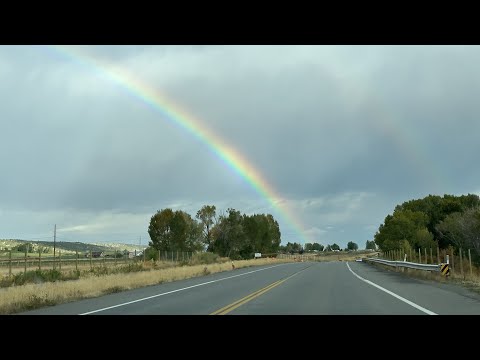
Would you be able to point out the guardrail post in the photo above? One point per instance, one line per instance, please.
(419, 256)
(431, 256)
(426, 257)
(410, 258)
(447, 260)
(470, 261)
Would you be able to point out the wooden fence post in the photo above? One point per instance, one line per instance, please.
(461, 263)
(470, 261)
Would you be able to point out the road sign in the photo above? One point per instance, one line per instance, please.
(444, 269)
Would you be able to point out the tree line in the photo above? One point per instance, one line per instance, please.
(230, 234)
(292, 248)
(449, 222)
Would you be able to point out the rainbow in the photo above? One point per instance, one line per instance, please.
(151, 97)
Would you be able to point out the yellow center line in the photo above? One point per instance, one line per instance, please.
(226, 309)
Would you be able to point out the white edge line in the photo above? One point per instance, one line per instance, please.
(393, 294)
(173, 291)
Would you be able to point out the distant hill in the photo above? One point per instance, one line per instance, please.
(66, 246)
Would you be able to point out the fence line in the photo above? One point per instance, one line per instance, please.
(90, 259)
(457, 257)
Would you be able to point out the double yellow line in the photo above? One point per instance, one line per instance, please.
(225, 310)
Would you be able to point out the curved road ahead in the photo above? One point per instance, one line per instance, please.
(320, 288)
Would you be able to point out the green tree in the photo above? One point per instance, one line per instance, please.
(370, 245)
(403, 224)
(317, 247)
(174, 231)
(207, 216)
(228, 234)
(437, 208)
(424, 239)
(462, 229)
(291, 248)
(335, 247)
(160, 230)
(352, 246)
(26, 247)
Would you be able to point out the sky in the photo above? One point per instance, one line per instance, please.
(327, 139)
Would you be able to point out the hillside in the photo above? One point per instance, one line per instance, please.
(65, 246)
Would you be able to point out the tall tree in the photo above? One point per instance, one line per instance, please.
(370, 245)
(174, 231)
(207, 216)
(462, 229)
(228, 234)
(352, 246)
(160, 229)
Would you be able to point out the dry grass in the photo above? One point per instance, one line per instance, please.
(20, 298)
(467, 280)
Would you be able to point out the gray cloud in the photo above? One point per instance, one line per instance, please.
(322, 124)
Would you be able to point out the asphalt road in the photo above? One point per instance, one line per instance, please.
(321, 288)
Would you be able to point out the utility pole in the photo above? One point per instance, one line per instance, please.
(54, 239)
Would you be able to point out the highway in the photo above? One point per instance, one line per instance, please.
(302, 288)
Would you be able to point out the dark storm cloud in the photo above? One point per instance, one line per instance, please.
(317, 122)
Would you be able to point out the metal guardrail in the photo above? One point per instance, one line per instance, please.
(426, 267)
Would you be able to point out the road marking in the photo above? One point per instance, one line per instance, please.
(226, 309)
(393, 294)
(173, 291)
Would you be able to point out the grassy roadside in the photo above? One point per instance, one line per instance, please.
(32, 296)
